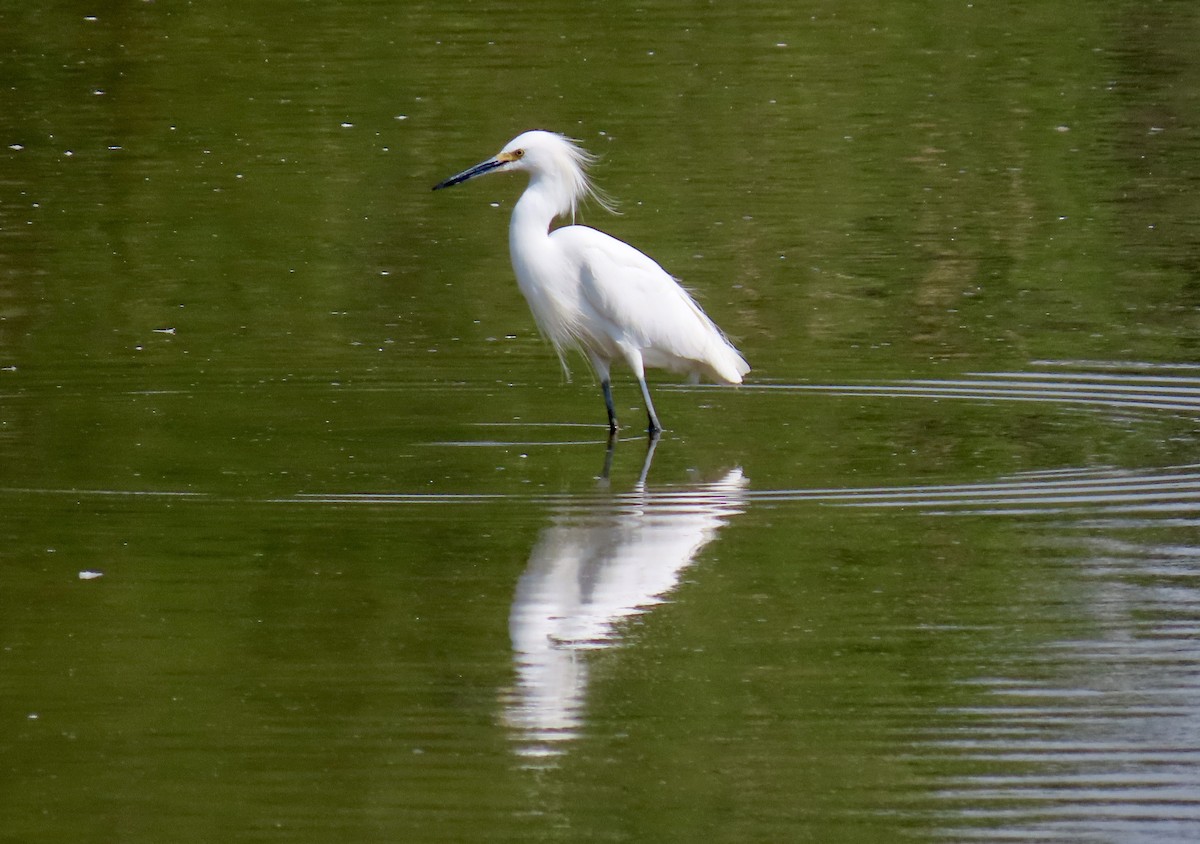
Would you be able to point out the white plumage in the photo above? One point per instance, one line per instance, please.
(591, 292)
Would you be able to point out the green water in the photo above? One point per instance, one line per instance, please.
(367, 570)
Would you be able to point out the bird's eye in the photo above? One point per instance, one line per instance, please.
(517, 153)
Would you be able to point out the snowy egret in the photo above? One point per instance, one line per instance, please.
(591, 292)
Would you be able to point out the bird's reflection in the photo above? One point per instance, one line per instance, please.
(600, 561)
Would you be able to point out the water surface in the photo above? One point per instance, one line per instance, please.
(305, 536)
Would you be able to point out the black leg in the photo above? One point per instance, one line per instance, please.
(654, 428)
(606, 386)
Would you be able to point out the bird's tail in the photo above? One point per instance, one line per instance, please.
(726, 363)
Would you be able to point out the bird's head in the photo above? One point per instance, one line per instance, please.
(554, 160)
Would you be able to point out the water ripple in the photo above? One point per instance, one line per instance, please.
(1142, 392)
(1167, 489)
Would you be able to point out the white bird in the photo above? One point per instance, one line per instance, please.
(591, 292)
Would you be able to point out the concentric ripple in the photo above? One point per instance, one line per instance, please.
(1174, 489)
(1141, 389)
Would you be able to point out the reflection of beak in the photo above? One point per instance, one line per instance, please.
(477, 170)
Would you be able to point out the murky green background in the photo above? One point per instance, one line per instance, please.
(933, 573)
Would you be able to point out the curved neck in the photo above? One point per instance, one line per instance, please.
(545, 198)
(532, 216)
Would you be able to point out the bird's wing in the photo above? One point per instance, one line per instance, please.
(636, 296)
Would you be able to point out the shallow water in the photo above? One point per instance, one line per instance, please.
(304, 535)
